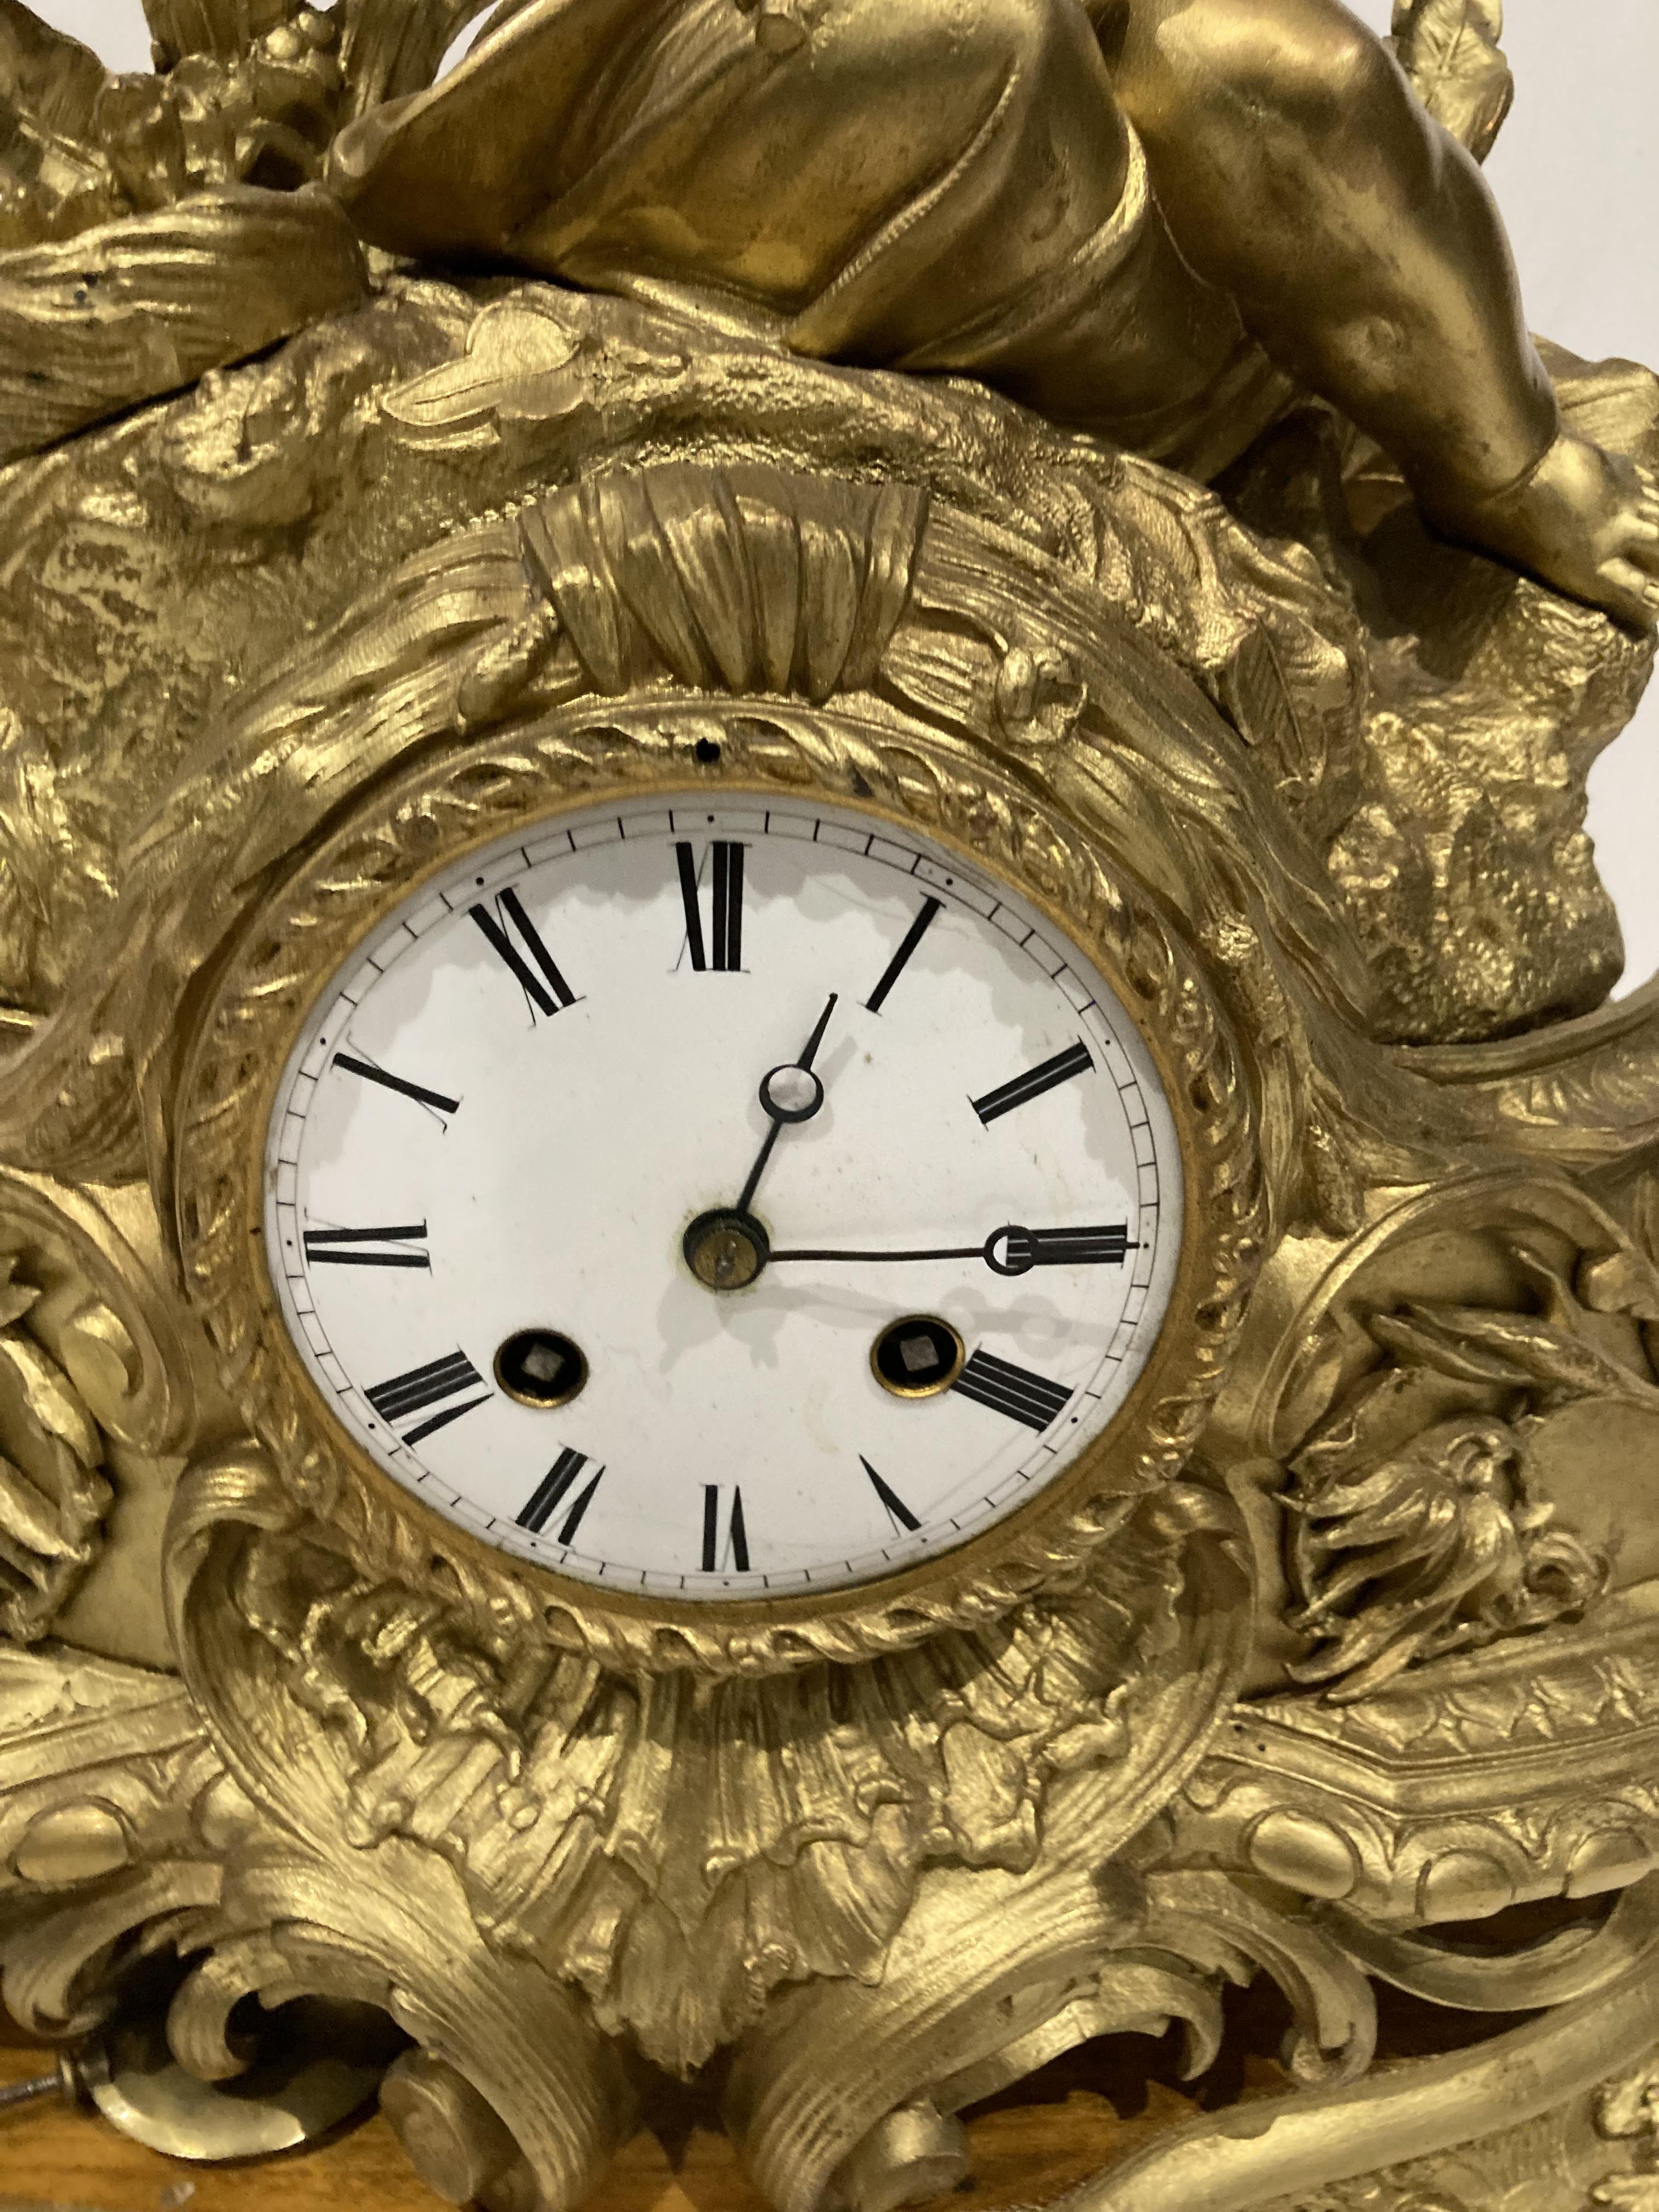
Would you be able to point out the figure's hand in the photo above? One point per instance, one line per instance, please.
(1022, 1249)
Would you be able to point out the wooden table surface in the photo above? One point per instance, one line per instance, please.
(1028, 2146)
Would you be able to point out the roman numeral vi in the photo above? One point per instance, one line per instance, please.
(735, 1543)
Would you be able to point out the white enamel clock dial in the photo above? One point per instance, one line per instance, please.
(723, 1200)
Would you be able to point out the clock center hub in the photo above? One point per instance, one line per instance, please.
(725, 1250)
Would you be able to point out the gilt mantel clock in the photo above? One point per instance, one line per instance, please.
(827, 1265)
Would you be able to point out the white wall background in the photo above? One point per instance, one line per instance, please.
(1577, 172)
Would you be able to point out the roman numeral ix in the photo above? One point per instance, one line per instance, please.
(736, 1540)
(1074, 1060)
(722, 949)
(1015, 1391)
(551, 1491)
(368, 1247)
(395, 1400)
(542, 983)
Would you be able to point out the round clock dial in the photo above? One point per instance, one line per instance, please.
(722, 1201)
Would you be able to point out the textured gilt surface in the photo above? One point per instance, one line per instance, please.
(1305, 1733)
(459, 1799)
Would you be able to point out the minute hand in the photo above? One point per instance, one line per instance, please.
(1012, 1250)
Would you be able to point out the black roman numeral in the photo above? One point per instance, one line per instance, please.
(417, 1092)
(722, 949)
(546, 990)
(736, 1536)
(1015, 1391)
(1074, 1060)
(895, 966)
(550, 1493)
(897, 1511)
(404, 1395)
(1105, 1247)
(368, 1247)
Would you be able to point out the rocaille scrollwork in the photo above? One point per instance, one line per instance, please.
(1341, 1639)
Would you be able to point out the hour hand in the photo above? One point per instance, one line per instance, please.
(1012, 1250)
(791, 1093)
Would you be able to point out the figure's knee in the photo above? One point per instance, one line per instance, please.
(1306, 66)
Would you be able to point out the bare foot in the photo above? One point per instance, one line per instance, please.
(1585, 520)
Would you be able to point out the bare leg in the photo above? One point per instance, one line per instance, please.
(1299, 172)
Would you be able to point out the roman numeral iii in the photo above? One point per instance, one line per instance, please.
(1107, 1246)
(534, 968)
(369, 1247)
(550, 1491)
(732, 1543)
(450, 1377)
(722, 947)
(1022, 1089)
(1030, 1399)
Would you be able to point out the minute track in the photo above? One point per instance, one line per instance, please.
(560, 1201)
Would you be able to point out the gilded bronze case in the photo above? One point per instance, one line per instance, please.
(411, 827)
